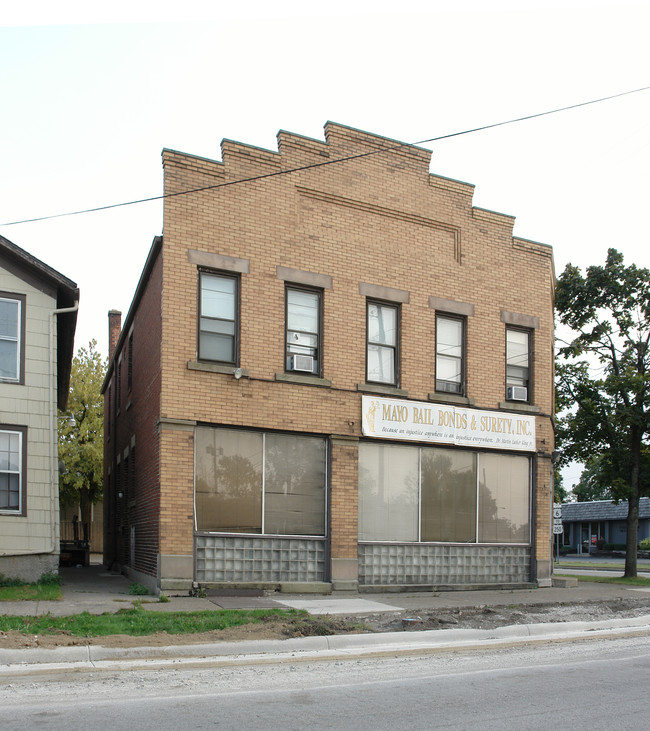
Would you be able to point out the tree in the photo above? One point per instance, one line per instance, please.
(594, 483)
(560, 493)
(81, 433)
(603, 380)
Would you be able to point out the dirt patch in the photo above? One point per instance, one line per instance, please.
(489, 617)
(275, 628)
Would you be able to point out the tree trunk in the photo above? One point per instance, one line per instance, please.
(633, 506)
(632, 534)
(85, 509)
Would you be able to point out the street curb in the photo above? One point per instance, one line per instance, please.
(96, 656)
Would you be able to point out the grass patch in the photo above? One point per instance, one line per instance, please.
(139, 622)
(599, 565)
(629, 581)
(47, 588)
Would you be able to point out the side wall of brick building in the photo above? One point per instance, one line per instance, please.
(131, 427)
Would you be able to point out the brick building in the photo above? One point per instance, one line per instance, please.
(335, 371)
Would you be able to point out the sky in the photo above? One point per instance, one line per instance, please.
(91, 95)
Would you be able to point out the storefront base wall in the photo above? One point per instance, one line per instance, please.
(544, 574)
(255, 559)
(394, 564)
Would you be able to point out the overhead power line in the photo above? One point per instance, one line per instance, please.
(397, 146)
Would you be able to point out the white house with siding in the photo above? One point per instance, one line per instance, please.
(38, 316)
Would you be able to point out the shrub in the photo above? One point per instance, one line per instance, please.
(138, 590)
(8, 581)
(644, 545)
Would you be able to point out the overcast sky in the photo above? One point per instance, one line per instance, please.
(91, 96)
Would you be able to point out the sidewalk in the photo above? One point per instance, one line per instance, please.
(95, 590)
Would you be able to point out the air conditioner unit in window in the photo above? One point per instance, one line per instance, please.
(303, 363)
(517, 393)
(448, 386)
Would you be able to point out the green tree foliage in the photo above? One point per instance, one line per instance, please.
(560, 493)
(594, 483)
(603, 381)
(81, 433)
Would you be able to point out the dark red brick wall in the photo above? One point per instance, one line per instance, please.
(132, 450)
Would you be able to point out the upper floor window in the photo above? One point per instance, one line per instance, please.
(11, 471)
(382, 345)
(218, 317)
(303, 336)
(450, 357)
(11, 333)
(517, 364)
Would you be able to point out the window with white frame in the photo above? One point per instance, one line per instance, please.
(383, 342)
(303, 325)
(11, 316)
(12, 470)
(218, 317)
(517, 364)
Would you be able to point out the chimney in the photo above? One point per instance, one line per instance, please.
(114, 330)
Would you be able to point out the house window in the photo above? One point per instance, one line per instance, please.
(517, 364)
(218, 326)
(383, 338)
(11, 337)
(253, 482)
(436, 494)
(450, 362)
(12, 471)
(303, 323)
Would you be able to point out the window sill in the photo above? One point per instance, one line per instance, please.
(382, 390)
(304, 379)
(515, 406)
(451, 398)
(228, 370)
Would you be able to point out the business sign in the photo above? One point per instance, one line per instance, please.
(443, 424)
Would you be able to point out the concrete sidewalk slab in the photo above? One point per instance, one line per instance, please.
(339, 606)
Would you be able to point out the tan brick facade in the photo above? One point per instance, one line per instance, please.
(376, 222)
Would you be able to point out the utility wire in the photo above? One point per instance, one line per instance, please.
(397, 146)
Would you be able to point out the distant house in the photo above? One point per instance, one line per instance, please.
(585, 523)
(38, 316)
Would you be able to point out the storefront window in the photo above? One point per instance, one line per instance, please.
(448, 495)
(441, 495)
(250, 482)
(504, 499)
(228, 480)
(388, 492)
(294, 485)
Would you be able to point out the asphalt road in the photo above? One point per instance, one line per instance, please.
(598, 684)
